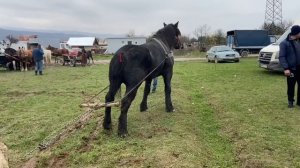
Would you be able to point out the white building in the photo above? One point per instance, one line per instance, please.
(113, 44)
(78, 42)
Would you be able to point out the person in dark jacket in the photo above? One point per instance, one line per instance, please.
(154, 84)
(38, 57)
(289, 57)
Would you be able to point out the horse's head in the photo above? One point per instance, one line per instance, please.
(175, 35)
(50, 48)
(171, 35)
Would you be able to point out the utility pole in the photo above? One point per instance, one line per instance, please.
(273, 15)
(273, 11)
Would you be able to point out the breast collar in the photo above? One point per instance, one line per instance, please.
(166, 49)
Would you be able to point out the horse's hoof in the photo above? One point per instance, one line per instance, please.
(170, 110)
(122, 135)
(143, 107)
(107, 126)
(107, 132)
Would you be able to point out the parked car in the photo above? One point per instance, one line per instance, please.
(222, 53)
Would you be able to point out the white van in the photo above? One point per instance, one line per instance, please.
(268, 56)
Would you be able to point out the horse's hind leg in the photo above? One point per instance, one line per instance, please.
(26, 69)
(125, 104)
(23, 66)
(92, 60)
(110, 96)
(14, 65)
(144, 106)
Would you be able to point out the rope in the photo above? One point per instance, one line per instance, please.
(97, 94)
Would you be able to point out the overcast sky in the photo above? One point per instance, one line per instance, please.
(142, 16)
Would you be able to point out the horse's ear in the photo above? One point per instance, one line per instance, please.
(176, 24)
(165, 24)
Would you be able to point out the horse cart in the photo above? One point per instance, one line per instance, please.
(73, 57)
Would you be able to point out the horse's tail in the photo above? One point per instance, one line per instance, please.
(117, 65)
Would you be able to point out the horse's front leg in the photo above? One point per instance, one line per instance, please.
(167, 80)
(25, 66)
(144, 106)
(22, 68)
(14, 65)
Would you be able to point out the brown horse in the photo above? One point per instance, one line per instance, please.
(25, 59)
(56, 52)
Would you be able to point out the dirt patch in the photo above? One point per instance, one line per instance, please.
(155, 131)
(60, 160)
(88, 141)
(131, 162)
(32, 163)
(35, 93)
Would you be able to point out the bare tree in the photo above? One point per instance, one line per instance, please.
(219, 37)
(131, 33)
(185, 40)
(277, 28)
(201, 34)
(12, 39)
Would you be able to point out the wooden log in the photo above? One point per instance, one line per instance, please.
(97, 106)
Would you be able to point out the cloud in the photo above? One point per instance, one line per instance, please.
(144, 17)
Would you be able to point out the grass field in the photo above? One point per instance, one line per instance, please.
(227, 115)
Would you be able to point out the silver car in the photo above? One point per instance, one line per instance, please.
(222, 53)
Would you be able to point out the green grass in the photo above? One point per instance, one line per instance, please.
(227, 115)
(102, 57)
(189, 54)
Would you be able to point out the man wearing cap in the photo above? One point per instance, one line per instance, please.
(289, 57)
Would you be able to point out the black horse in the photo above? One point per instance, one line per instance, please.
(12, 60)
(89, 56)
(133, 64)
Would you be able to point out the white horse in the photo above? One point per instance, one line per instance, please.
(47, 56)
(2, 51)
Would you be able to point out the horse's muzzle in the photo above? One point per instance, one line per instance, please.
(178, 43)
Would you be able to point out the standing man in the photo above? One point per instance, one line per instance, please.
(154, 84)
(289, 57)
(38, 56)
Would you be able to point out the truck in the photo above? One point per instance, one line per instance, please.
(248, 41)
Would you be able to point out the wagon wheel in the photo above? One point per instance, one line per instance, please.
(73, 62)
(244, 53)
(61, 61)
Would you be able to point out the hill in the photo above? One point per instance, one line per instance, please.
(49, 37)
